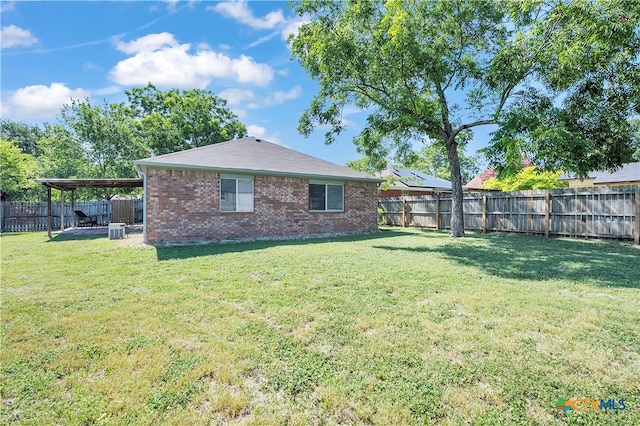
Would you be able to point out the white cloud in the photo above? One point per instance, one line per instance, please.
(148, 43)
(236, 96)
(277, 98)
(13, 36)
(40, 101)
(240, 11)
(161, 60)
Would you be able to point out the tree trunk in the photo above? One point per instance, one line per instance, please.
(457, 218)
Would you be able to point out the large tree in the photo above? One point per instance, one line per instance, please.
(25, 136)
(181, 119)
(17, 171)
(559, 77)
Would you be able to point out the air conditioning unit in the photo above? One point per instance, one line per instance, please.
(117, 231)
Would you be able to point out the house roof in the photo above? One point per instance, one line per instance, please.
(414, 179)
(630, 172)
(255, 156)
(477, 182)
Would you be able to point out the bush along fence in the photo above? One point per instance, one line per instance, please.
(32, 216)
(599, 212)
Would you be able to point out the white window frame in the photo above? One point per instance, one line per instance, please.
(236, 178)
(326, 191)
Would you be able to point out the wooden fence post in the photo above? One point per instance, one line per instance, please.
(484, 213)
(636, 237)
(547, 214)
(404, 213)
(438, 212)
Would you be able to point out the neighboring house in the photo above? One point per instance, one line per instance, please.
(477, 183)
(629, 174)
(251, 188)
(407, 182)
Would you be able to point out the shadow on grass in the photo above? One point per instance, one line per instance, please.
(535, 258)
(169, 252)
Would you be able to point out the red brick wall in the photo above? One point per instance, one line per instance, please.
(185, 205)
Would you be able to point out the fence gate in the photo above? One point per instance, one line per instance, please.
(122, 211)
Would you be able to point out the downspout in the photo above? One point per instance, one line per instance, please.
(144, 201)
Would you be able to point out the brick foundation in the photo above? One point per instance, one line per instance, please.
(185, 206)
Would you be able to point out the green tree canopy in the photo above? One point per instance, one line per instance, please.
(17, 171)
(559, 78)
(181, 119)
(25, 136)
(105, 133)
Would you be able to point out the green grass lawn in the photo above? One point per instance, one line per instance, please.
(395, 327)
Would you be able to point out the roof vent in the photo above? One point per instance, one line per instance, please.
(258, 140)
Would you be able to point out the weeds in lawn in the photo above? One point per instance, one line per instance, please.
(397, 327)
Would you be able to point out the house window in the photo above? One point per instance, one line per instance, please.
(236, 194)
(326, 197)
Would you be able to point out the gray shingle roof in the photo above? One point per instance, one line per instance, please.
(252, 155)
(630, 172)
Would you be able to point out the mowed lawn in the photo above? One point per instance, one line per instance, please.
(396, 327)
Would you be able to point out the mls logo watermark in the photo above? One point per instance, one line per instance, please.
(588, 404)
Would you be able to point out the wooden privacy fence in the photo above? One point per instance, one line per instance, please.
(30, 216)
(603, 212)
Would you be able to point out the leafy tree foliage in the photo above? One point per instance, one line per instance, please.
(181, 119)
(17, 171)
(63, 154)
(105, 133)
(559, 78)
(25, 136)
(527, 178)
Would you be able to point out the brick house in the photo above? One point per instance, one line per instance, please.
(251, 188)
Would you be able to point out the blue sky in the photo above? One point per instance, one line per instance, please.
(55, 51)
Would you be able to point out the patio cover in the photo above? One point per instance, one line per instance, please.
(73, 184)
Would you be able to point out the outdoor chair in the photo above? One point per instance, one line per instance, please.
(84, 220)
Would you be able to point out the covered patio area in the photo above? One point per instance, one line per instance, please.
(71, 185)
